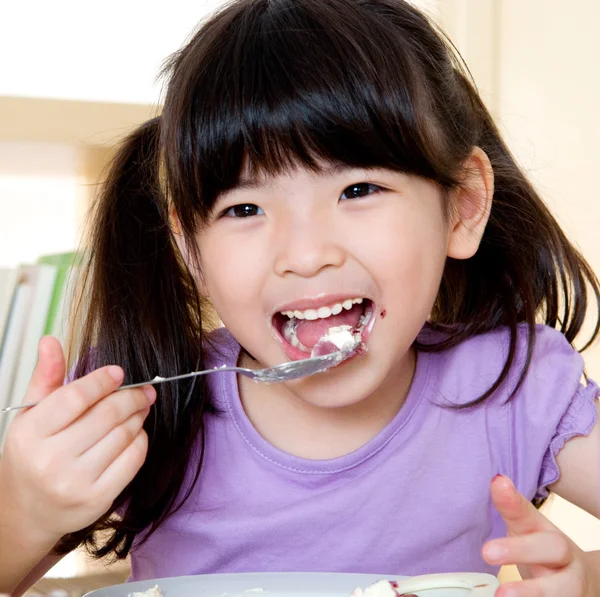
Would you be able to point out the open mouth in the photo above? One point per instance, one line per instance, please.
(300, 331)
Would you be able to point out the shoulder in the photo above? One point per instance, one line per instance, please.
(220, 348)
(468, 370)
(528, 419)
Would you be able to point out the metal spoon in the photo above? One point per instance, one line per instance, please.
(278, 373)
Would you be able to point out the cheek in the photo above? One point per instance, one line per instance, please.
(410, 243)
(229, 274)
(408, 257)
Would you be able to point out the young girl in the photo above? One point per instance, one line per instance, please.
(317, 163)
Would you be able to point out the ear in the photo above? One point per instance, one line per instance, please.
(471, 206)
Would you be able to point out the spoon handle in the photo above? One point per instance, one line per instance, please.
(152, 382)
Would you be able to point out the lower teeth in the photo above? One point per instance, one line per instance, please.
(289, 333)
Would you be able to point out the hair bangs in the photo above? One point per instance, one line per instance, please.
(283, 84)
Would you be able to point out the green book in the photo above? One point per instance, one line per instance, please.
(64, 262)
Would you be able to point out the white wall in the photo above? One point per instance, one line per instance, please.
(104, 51)
(40, 207)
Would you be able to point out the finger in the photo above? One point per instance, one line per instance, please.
(520, 515)
(105, 416)
(549, 548)
(49, 372)
(69, 402)
(124, 468)
(101, 456)
(560, 584)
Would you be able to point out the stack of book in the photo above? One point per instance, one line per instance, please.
(34, 302)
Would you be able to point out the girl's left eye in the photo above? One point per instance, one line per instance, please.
(361, 189)
(244, 210)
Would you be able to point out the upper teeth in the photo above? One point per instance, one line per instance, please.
(323, 312)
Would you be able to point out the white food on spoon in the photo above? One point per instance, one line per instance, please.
(340, 336)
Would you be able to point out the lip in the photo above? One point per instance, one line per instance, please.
(293, 353)
(317, 302)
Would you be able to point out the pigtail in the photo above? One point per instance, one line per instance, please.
(140, 309)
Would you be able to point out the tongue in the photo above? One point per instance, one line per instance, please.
(310, 332)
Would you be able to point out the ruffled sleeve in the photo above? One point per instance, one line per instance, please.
(554, 404)
(578, 420)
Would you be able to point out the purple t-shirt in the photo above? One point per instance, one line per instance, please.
(413, 500)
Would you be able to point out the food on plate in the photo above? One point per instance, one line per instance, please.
(153, 592)
(382, 588)
(475, 584)
(480, 585)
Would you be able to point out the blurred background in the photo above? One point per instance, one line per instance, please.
(76, 76)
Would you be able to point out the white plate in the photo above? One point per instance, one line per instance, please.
(294, 584)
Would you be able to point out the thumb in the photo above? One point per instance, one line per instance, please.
(49, 372)
(520, 515)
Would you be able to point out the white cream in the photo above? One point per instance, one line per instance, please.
(153, 592)
(341, 336)
(382, 588)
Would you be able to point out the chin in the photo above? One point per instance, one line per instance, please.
(332, 401)
(346, 385)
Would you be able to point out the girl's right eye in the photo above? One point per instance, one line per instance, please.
(359, 190)
(244, 210)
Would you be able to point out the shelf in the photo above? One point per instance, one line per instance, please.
(66, 121)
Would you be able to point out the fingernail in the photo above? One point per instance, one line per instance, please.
(116, 373)
(150, 394)
(42, 345)
(494, 553)
(506, 482)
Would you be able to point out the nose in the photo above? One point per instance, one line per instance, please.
(306, 246)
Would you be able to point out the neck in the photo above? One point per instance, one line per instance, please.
(302, 429)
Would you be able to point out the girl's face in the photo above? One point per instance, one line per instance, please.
(278, 252)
